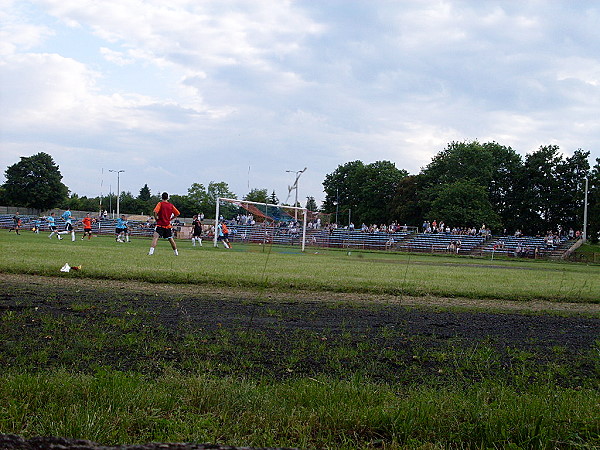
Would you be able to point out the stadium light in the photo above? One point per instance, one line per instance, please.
(295, 186)
(585, 208)
(118, 172)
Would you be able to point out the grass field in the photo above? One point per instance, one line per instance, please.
(316, 269)
(261, 346)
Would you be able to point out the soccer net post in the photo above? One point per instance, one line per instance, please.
(266, 211)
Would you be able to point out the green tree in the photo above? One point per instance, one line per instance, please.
(199, 198)
(220, 189)
(461, 161)
(593, 229)
(463, 203)
(343, 186)
(77, 203)
(182, 202)
(539, 190)
(273, 199)
(368, 190)
(380, 184)
(257, 195)
(495, 168)
(35, 182)
(406, 204)
(144, 193)
(311, 204)
(503, 188)
(569, 198)
(128, 204)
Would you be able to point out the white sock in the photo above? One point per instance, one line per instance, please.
(176, 252)
(151, 252)
(200, 241)
(73, 236)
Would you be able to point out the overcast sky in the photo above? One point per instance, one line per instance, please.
(183, 91)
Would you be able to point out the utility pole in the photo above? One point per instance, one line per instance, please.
(585, 208)
(118, 172)
(295, 186)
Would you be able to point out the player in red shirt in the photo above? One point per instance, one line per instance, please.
(164, 212)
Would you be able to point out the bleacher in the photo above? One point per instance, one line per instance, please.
(526, 246)
(441, 243)
(337, 238)
(509, 246)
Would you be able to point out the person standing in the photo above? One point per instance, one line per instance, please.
(196, 231)
(16, 223)
(164, 212)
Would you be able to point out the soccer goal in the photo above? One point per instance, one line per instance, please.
(274, 223)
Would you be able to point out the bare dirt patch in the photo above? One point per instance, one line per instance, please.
(278, 335)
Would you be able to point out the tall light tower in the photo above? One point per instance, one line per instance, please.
(295, 186)
(118, 172)
(585, 208)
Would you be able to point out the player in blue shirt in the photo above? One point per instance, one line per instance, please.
(52, 226)
(121, 230)
(68, 218)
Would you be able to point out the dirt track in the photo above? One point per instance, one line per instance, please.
(282, 319)
(408, 326)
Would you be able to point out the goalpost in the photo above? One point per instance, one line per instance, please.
(267, 211)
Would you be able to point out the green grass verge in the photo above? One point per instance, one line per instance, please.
(113, 407)
(317, 269)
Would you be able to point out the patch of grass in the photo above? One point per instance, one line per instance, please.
(115, 407)
(395, 274)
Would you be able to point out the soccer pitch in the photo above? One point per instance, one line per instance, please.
(267, 346)
(287, 269)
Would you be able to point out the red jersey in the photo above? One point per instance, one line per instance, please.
(164, 212)
(87, 222)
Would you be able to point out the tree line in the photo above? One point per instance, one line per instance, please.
(467, 184)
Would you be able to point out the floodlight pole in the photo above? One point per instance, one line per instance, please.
(295, 186)
(585, 208)
(337, 204)
(118, 172)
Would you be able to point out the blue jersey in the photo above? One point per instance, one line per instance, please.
(67, 217)
(50, 220)
(121, 223)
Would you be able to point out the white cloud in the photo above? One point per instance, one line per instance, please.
(188, 91)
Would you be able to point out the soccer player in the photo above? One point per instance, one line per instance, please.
(121, 230)
(16, 223)
(164, 212)
(52, 226)
(87, 227)
(68, 218)
(196, 231)
(225, 230)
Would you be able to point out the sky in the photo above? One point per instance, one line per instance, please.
(251, 92)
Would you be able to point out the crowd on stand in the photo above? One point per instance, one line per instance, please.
(441, 227)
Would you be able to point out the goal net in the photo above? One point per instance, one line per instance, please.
(262, 222)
